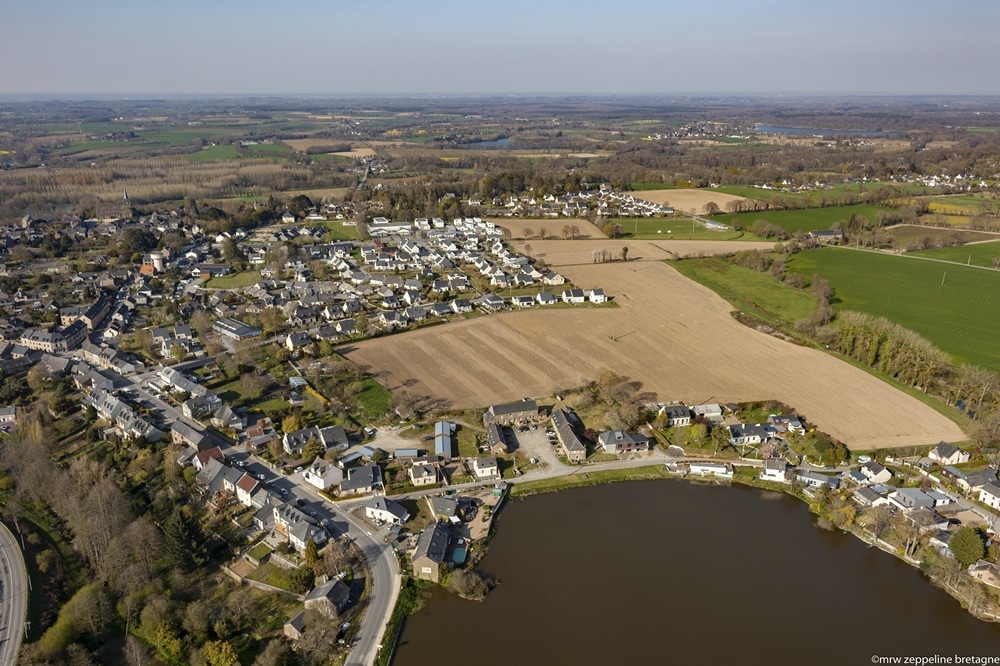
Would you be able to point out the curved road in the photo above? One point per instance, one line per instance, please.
(13, 597)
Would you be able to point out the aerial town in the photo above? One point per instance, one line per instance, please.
(275, 424)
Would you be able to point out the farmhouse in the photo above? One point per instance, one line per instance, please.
(572, 446)
(513, 412)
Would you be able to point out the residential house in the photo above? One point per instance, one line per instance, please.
(911, 498)
(445, 508)
(990, 495)
(866, 496)
(362, 480)
(485, 469)
(573, 296)
(386, 511)
(328, 598)
(332, 437)
(295, 628)
(495, 439)
(423, 473)
(786, 423)
(597, 296)
(323, 475)
(776, 470)
(676, 415)
(717, 470)
(546, 298)
(948, 454)
(875, 473)
(429, 554)
(202, 457)
(573, 447)
(817, 480)
(619, 441)
(711, 411)
(188, 435)
(744, 434)
(985, 572)
(525, 411)
(245, 488)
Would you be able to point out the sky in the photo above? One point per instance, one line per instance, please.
(331, 47)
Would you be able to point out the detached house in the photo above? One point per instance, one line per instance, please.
(875, 473)
(948, 454)
(323, 475)
(386, 511)
(423, 473)
(429, 554)
(619, 441)
(990, 495)
(362, 480)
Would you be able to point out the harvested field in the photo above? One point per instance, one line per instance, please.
(690, 201)
(568, 252)
(673, 335)
(519, 228)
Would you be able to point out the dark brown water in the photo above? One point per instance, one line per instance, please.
(671, 572)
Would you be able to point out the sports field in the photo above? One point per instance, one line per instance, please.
(673, 335)
(955, 307)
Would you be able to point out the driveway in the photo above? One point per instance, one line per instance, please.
(536, 444)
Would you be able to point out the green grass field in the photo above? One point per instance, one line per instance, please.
(665, 229)
(234, 281)
(809, 219)
(980, 254)
(225, 151)
(907, 233)
(374, 399)
(752, 292)
(961, 316)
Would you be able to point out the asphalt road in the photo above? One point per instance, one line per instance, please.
(13, 597)
(383, 568)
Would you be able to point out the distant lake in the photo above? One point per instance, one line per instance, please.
(775, 129)
(495, 144)
(668, 571)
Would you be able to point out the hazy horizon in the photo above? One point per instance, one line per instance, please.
(756, 48)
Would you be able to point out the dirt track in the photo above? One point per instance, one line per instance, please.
(673, 335)
(564, 252)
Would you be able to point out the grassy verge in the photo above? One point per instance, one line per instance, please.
(750, 291)
(580, 479)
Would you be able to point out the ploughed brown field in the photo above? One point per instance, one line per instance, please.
(519, 228)
(568, 252)
(675, 336)
(689, 201)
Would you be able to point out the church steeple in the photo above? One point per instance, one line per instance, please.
(125, 196)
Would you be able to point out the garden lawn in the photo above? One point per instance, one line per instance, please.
(953, 306)
(234, 281)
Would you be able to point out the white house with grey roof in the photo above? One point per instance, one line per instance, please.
(990, 495)
(385, 510)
